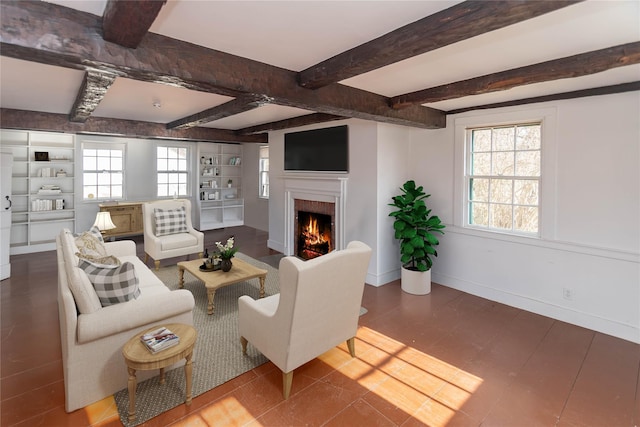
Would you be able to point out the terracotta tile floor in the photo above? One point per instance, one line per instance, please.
(447, 359)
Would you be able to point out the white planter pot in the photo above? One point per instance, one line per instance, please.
(415, 282)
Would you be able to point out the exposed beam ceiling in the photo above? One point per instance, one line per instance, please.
(119, 44)
(239, 105)
(605, 90)
(42, 32)
(15, 119)
(94, 87)
(126, 22)
(308, 119)
(459, 22)
(571, 66)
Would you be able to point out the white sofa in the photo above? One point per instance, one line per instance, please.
(92, 336)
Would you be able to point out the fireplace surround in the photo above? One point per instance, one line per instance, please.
(319, 194)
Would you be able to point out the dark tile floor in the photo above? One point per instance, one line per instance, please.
(446, 359)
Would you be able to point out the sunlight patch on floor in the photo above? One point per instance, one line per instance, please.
(102, 412)
(417, 383)
(225, 412)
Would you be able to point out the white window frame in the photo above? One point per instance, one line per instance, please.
(492, 176)
(547, 117)
(263, 172)
(103, 146)
(176, 168)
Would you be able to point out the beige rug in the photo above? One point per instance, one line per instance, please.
(218, 355)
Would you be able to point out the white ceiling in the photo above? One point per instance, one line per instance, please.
(298, 34)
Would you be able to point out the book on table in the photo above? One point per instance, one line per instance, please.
(159, 339)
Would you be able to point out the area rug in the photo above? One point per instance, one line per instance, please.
(217, 355)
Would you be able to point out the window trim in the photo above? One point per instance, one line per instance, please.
(260, 171)
(97, 145)
(547, 201)
(187, 169)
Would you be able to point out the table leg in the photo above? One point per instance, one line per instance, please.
(181, 273)
(132, 394)
(161, 375)
(210, 294)
(262, 286)
(188, 368)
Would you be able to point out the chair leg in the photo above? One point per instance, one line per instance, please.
(200, 255)
(243, 341)
(157, 263)
(351, 343)
(287, 379)
(146, 257)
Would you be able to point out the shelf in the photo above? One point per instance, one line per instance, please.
(34, 231)
(217, 213)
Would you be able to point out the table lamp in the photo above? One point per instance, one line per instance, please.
(103, 222)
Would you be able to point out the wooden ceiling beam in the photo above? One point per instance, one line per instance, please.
(604, 90)
(571, 66)
(307, 119)
(33, 120)
(55, 35)
(93, 89)
(126, 22)
(236, 106)
(459, 22)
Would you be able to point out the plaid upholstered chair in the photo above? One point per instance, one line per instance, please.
(168, 231)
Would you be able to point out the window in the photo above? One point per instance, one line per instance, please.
(503, 178)
(102, 171)
(263, 173)
(173, 176)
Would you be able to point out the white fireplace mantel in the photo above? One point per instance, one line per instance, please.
(316, 188)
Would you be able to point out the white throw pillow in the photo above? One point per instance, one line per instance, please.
(90, 244)
(170, 221)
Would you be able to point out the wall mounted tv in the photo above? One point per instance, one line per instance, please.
(317, 150)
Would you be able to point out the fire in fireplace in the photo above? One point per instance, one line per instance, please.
(313, 235)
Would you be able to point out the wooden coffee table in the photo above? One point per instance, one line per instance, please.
(138, 357)
(213, 280)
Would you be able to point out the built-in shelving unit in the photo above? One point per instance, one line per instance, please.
(220, 185)
(42, 187)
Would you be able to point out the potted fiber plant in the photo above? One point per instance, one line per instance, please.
(416, 229)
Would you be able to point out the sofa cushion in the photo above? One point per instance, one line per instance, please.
(178, 241)
(83, 292)
(170, 221)
(90, 245)
(113, 284)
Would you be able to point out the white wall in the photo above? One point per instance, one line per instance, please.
(591, 241)
(140, 169)
(256, 210)
(362, 207)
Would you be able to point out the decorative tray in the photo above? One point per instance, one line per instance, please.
(214, 268)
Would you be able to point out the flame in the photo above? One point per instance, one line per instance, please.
(312, 233)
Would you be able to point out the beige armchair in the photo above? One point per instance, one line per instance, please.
(317, 308)
(168, 230)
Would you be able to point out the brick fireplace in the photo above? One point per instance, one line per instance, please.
(318, 201)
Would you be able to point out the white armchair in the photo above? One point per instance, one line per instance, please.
(168, 230)
(317, 308)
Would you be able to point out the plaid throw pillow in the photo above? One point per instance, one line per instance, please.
(113, 284)
(170, 221)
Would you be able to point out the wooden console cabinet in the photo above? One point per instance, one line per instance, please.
(126, 216)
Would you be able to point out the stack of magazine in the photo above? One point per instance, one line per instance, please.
(159, 339)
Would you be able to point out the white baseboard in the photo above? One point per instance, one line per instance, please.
(606, 326)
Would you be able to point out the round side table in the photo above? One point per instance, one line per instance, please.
(138, 357)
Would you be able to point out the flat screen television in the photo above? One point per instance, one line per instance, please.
(317, 150)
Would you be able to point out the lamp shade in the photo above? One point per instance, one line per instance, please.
(103, 221)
